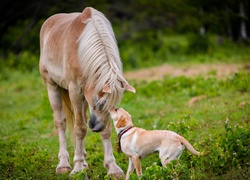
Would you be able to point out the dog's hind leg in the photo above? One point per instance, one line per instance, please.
(131, 168)
(164, 161)
(137, 164)
(169, 151)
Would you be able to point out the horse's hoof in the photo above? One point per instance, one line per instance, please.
(62, 170)
(116, 176)
(115, 172)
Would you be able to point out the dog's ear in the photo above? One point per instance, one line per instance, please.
(121, 122)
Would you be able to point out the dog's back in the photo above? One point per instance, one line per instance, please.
(150, 141)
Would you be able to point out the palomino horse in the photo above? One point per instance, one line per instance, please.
(80, 65)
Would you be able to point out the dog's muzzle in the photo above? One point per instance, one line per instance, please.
(95, 124)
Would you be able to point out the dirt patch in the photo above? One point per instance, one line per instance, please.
(159, 72)
(194, 100)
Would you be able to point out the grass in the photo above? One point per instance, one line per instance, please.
(28, 150)
(218, 123)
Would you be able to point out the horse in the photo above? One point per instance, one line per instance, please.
(81, 68)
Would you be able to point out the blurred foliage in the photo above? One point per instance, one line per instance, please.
(165, 48)
(140, 21)
(198, 43)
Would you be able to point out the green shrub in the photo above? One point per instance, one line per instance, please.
(229, 151)
(24, 61)
(174, 170)
(198, 43)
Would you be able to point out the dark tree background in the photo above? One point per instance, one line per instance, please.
(20, 20)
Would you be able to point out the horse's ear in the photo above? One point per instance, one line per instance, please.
(129, 88)
(106, 89)
(86, 14)
(121, 122)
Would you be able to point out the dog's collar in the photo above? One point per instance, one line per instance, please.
(120, 135)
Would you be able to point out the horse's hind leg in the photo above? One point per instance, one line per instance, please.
(54, 93)
(109, 159)
(80, 107)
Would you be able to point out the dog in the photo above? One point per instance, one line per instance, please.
(138, 143)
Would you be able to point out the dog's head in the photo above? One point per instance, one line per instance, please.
(121, 118)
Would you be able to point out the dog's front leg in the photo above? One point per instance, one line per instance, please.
(137, 164)
(131, 168)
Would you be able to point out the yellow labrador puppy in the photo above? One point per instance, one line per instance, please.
(138, 143)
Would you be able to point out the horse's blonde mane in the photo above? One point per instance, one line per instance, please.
(100, 58)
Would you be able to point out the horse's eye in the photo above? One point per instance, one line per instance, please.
(99, 106)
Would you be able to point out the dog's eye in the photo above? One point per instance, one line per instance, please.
(116, 109)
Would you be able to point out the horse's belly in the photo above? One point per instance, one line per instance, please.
(53, 72)
(56, 73)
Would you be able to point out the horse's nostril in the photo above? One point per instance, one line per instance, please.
(98, 127)
(95, 124)
(92, 121)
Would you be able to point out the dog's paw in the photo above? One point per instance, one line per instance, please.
(206, 153)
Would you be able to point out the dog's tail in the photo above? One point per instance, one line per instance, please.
(189, 146)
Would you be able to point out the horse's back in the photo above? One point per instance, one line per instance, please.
(54, 30)
(56, 24)
(58, 42)
(60, 27)
(59, 23)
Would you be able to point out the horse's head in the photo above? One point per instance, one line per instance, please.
(101, 102)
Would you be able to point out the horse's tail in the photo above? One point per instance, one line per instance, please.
(67, 109)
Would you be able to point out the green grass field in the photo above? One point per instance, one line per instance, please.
(28, 149)
(218, 123)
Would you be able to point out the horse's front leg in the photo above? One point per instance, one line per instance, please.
(109, 159)
(80, 107)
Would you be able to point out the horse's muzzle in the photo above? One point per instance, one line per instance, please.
(95, 124)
